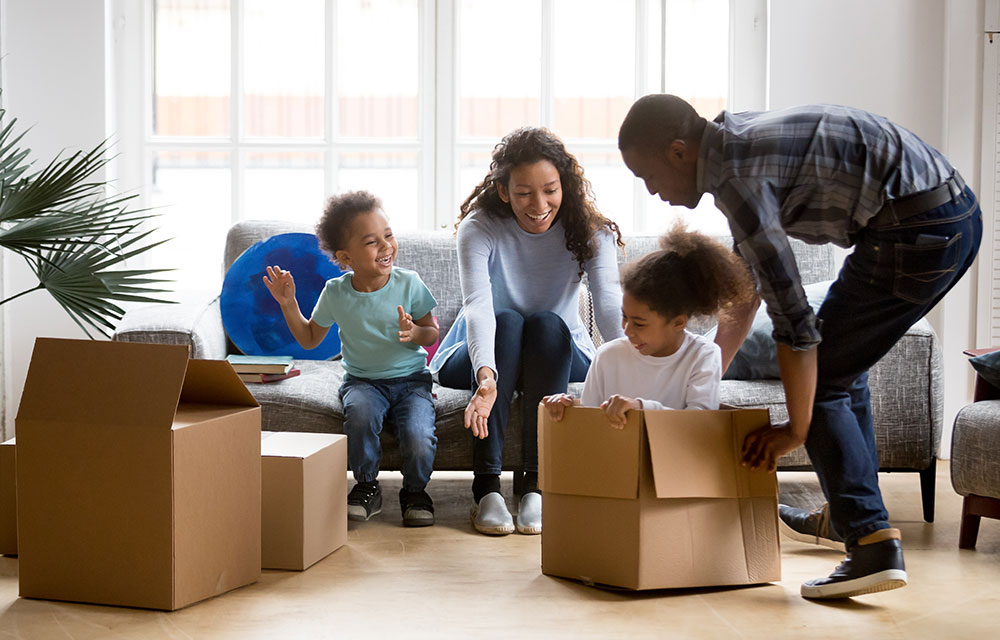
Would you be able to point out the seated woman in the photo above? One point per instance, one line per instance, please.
(526, 235)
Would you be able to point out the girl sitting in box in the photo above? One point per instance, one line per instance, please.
(659, 364)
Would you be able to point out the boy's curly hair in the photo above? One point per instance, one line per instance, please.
(579, 213)
(334, 228)
(691, 274)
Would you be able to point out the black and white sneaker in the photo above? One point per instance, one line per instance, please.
(417, 508)
(364, 501)
(812, 527)
(874, 564)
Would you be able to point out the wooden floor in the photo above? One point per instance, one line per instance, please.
(448, 581)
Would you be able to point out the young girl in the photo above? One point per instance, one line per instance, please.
(659, 364)
(386, 368)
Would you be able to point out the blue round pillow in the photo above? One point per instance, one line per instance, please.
(251, 316)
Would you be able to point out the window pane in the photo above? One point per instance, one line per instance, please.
(390, 175)
(191, 83)
(283, 68)
(283, 186)
(593, 85)
(499, 56)
(696, 64)
(192, 193)
(472, 168)
(378, 67)
(613, 186)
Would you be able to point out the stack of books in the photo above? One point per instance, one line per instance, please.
(259, 369)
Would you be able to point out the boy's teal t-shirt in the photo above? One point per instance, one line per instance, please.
(369, 323)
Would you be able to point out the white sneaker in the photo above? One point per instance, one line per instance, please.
(491, 516)
(529, 514)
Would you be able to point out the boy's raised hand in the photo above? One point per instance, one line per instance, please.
(556, 405)
(615, 408)
(281, 284)
(405, 325)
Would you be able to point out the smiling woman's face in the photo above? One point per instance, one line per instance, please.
(534, 193)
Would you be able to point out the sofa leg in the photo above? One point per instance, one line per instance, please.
(928, 482)
(973, 509)
(518, 482)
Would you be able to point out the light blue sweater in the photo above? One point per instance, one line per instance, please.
(502, 266)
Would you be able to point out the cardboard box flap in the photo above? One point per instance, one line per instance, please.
(117, 382)
(215, 382)
(681, 442)
(295, 445)
(583, 455)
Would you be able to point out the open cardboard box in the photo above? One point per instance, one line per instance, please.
(303, 499)
(662, 503)
(138, 476)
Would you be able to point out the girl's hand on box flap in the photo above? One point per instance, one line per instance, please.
(615, 408)
(556, 405)
(763, 447)
(281, 284)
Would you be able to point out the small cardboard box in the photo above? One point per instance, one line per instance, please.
(303, 498)
(662, 503)
(8, 500)
(138, 476)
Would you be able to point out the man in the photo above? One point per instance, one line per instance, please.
(821, 174)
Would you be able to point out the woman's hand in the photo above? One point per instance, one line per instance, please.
(615, 408)
(556, 405)
(478, 411)
(763, 447)
(281, 285)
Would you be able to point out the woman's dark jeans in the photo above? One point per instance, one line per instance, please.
(535, 355)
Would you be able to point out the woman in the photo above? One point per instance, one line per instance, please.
(526, 235)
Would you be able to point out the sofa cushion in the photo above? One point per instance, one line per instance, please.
(975, 467)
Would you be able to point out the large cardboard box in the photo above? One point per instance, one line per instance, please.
(138, 476)
(8, 499)
(303, 498)
(663, 502)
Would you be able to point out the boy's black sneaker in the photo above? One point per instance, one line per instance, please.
(364, 501)
(809, 526)
(874, 564)
(417, 508)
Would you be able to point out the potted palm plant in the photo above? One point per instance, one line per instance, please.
(75, 237)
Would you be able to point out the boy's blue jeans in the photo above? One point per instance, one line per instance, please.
(408, 402)
(538, 351)
(891, 280)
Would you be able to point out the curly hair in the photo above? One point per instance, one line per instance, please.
(333, 229)
(527, 145)
(691, 274)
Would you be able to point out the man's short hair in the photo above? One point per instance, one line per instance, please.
(656, 120)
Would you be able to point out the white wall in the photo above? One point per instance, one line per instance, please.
(54, 81)
(917, 62)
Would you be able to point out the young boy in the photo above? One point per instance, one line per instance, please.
(374, 306)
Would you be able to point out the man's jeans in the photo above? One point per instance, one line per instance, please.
(409, 404)
(891, 280)
(539, 351)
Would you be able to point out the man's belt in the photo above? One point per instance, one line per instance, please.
(895, 211)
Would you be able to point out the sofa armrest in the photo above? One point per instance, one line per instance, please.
(195, 324)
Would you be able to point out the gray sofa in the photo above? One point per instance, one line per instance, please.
(906, 384)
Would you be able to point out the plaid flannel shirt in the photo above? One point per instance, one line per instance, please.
(817, 173)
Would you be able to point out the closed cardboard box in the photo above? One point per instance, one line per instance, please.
(138, 476)
(303, 498)
(8, 500)
(662, 503)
